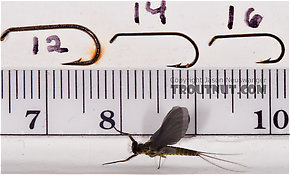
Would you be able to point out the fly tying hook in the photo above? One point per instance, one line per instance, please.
(165, 34)
(62, 26)
(255, 35)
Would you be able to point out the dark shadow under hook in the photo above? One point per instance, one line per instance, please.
(62, 26)
(165, 34)
(255, 35)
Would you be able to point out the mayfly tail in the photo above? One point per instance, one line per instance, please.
(224, 154)
(222, 159)
(218, 165)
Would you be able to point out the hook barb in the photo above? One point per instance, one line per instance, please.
(78, 62)
(266, 61)
(179, 65)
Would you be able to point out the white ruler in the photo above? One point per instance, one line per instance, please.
(90, 102)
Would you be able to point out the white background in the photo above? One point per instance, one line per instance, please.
(199, 20)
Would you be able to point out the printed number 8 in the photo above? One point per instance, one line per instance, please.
(107, 119)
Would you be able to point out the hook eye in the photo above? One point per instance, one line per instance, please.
(165, 34)
(78, 62)
(267, 61)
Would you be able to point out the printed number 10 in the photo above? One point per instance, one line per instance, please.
(275, 119)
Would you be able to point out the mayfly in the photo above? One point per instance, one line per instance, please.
(173, 128)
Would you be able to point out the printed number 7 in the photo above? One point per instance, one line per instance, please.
(36, 113)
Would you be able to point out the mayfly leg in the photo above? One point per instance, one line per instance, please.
(125, 160)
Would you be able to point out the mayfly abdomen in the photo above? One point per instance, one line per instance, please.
(171, 150)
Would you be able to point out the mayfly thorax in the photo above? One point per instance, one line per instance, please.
(173, 128)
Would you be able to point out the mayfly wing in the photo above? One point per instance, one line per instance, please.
(173, 128)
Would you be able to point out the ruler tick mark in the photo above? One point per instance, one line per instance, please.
(262, 78)
(38, 84)
(9, 90)
(2, 94)
(46, 103)
(217, 83)
(84, 95)
(113, 84)
(68, 84)
(76, 84)
(195, 105)
(91, 85)
(255, 87)
(61, 88)
(142, 84)
(270, 103)
(285, 84)
(187, 84)
(16, 82)
(165, 92)
(247, 75)
(240, 84)
(225, 84)
(150, 84)
(157, 88)
(209, 72)
(277, 83)
(105, 84)
(128, 84)
(232, 89)
(31, 84)
(53, 84)
(23, 84)
(180, 89)
(135, 81)
(202, 84)
(98, 81)
(121, 103)
(172, 85)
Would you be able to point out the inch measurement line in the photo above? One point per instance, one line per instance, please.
(23, 84)
(113, 84)
(128, 85)
(61, 86)
(84, 94)
(135, 83)
(157, 90)
(121, 103)
(53, 84)
(9, 89)
(270, 103)
(16, 84)
(46, 103)
(106, 84)
(38, 84)
(143, 84)
(76, 84)
(285, 84)
(277, 83)
(150, 84)
(91, 85)
(68, 84)
(232, 89)
(31, 84)
(165, 86)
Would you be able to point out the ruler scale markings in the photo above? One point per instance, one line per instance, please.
(9, 90)
(105, 84)
(247, 76)
(240, 84)
(232, 89)
(128, 85)
(157, 89)
(202, 84)
(262, 77)
(38, 84)
(225, 84)
(31, 84)
(91, 85)
(142, 84)
(195, 106)
(53, 84)
(84, 95)
(121, 103)
(285, 85)
(165, 92)
(98, 86)
(68, 84)
(113, 84)
(150, 84)
(180, 90)
(135, 83)
(270, 103)
(23, 84)
(255, 88)
(172, 78)
(16, 83)
(61, 88)
(217, 83)
(277, 83)
(76, 84)
(2, 91)
(46, 103)
(209, 72)
(187, 84)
